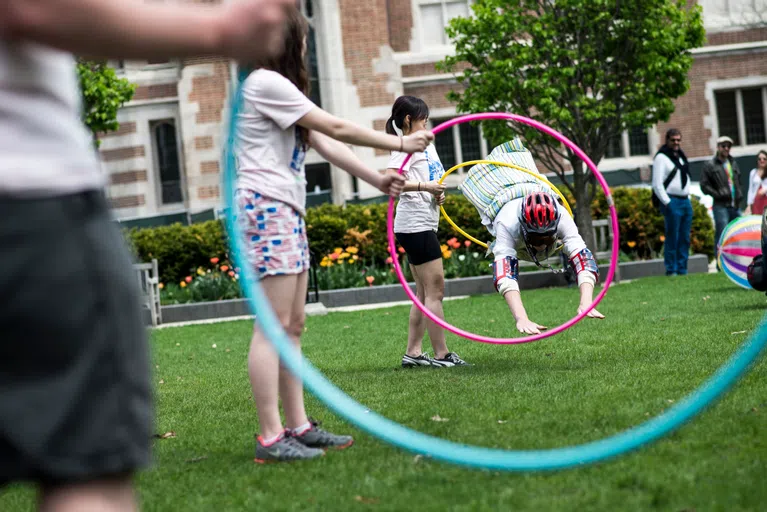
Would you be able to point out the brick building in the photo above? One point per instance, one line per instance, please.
(164, 160)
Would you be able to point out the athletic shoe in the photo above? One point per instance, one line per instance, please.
(450, 359)
(316, 437)
(413, 361)
(284, 450)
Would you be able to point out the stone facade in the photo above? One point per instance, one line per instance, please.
(166, 156)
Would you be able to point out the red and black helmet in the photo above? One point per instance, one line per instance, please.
(539, 214)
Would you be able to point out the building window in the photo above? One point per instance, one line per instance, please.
(632, 142)
(741, 115)
(167, 165)
(459, 143)
(435, 16)
(723, 14)
(313, 67)
(312, 61)
(319, 184)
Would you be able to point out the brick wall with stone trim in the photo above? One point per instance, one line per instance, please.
(693, 108)
(204, 97)
(400, 17)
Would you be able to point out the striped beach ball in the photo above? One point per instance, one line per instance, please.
(741, 240)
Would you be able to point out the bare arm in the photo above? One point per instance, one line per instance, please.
(145, 30)
(587, 297)
(337, 153)
(432, 187)
(524, 325)
(351, 133)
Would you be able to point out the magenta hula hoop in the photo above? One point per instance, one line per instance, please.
(613, 219)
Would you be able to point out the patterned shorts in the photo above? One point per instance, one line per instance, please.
(275, 235)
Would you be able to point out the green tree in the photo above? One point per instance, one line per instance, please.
(588, 68)
(103, 95)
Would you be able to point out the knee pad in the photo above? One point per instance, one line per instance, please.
(584, 262)
(504, 272)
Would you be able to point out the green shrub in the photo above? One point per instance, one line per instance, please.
(181, 249)
(178, 248)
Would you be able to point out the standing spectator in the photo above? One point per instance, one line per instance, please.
(75, 391)
(671, 184)
(757, 186)
(720, 179)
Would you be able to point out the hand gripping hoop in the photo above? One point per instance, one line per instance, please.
(447, 451)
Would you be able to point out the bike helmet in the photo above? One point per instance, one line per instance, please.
(539, 214)
(538, 222)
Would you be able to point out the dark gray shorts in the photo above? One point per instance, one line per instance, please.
(75, 394)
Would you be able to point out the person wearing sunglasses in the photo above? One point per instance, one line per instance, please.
(671, 191)
(720, 179)
(757, 186)
(528, 222)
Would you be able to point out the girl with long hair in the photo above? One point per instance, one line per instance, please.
(757, 186)
(277, 125)
(415, 226)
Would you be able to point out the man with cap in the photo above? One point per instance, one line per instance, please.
(720, 179)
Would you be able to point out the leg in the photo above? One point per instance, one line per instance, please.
(263, 362)
(291, 388)
(433, 279)
(672, 218)
(683, 249)
(417, 321)
(721, 219)
(75, 411)
(107, 495)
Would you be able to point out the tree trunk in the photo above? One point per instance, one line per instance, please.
(583, 205)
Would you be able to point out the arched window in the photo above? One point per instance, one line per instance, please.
(167, 165)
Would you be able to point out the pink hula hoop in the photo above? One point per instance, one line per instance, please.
(613, 218)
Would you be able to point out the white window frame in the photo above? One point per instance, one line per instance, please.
(712, 120)
(626, 146)
(442, 116)
(160, 205)
(417, 42)
(739, 14)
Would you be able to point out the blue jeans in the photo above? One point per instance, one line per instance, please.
(723, 215)
(678, 216)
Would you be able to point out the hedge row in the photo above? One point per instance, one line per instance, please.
(180, 249)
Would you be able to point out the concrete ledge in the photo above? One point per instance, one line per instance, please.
(392, 293)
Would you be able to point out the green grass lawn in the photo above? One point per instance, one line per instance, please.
(661, 339)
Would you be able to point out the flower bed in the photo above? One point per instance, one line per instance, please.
(349, 245)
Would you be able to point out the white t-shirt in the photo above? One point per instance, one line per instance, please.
(754, 182)
(45, 150)
(508, 233)
(270, 158)
(417, 211)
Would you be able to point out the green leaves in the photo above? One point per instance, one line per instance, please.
(103, 94)
(590, 69)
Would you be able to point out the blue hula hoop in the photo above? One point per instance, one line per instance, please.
(448, 451)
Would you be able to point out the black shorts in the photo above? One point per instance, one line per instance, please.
(75, 393)
(421, 247)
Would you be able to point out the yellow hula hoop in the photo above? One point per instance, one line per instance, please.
(502, 164)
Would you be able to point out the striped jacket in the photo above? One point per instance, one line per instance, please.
(489, 187)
